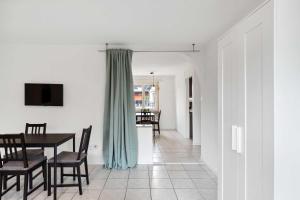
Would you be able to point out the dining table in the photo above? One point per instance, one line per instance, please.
(49, 140)
(139, 115)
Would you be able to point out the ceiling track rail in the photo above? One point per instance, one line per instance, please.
(159, 51)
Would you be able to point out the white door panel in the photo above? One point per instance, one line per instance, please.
(258, 66)
(228, 66)
(254, 132)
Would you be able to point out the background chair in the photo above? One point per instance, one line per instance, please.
(14, 163)
(156, 124)
(72, 159)
(35, 153)
(31, 153)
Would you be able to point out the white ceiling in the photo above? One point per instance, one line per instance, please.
(136, 22)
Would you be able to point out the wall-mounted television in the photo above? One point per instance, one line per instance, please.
(37, 94)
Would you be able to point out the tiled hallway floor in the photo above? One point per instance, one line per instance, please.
(160, 181)
(171, 147)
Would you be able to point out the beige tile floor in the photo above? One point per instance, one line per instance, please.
(177, 174)
(171, 147)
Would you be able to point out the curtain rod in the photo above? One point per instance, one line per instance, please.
(160, 51)
(153, 51)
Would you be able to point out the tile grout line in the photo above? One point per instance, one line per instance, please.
(127, 183)
(104, 183)
(149, 182)
(172, 184)
(195, 184)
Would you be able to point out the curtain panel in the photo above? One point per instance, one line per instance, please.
(120, 133)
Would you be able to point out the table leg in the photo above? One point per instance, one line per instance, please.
(55, 172)
(74, 151)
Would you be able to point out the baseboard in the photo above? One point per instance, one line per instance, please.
(168, 130)
(213, 171)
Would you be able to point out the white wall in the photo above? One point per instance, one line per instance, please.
(195, 71)
(193, 68)
(167, 99)
(181, 104)
(209, 105)
(167, 102)
(82, 71)
(287, 100)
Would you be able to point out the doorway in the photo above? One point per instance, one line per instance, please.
(190, 102)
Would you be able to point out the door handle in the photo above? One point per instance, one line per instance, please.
(234, 137)
(239, 140)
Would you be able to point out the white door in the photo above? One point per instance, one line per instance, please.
(246, 91)
(258, 66)
(228, 182)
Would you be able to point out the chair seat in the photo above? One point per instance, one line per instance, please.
(19, 165)
(32, 154)
(67, 157)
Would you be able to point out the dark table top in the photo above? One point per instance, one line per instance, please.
(46, 140)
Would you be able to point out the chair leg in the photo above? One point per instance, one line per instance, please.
(158, 129)
(49, 180)
(61, 175)
(4, 182)
(30, 180)
(74, 175)
(153, 130)
(1, 181)
(45, 175)
(25, 186)
(79, 180)
(18, 183)
(86, 172)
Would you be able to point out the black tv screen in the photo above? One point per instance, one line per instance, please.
(37, 94)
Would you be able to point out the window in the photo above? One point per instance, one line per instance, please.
(145, 97)
(138, 96)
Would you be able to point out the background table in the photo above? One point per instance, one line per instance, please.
(139, 115)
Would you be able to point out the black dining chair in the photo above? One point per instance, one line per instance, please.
(32, 153)
(72, 159)
(138, 118)
(156, 123)
(13, 163)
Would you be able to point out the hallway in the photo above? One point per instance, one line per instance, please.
(171, 147)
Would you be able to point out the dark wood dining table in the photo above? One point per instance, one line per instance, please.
(138, 115)
(49, 140)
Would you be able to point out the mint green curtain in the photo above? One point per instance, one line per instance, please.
(120, 134)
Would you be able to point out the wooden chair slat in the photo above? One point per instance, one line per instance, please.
(35, 128)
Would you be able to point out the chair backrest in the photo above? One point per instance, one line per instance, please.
(35, 128)
(84, 142)
(159, 114)
(12, 143)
